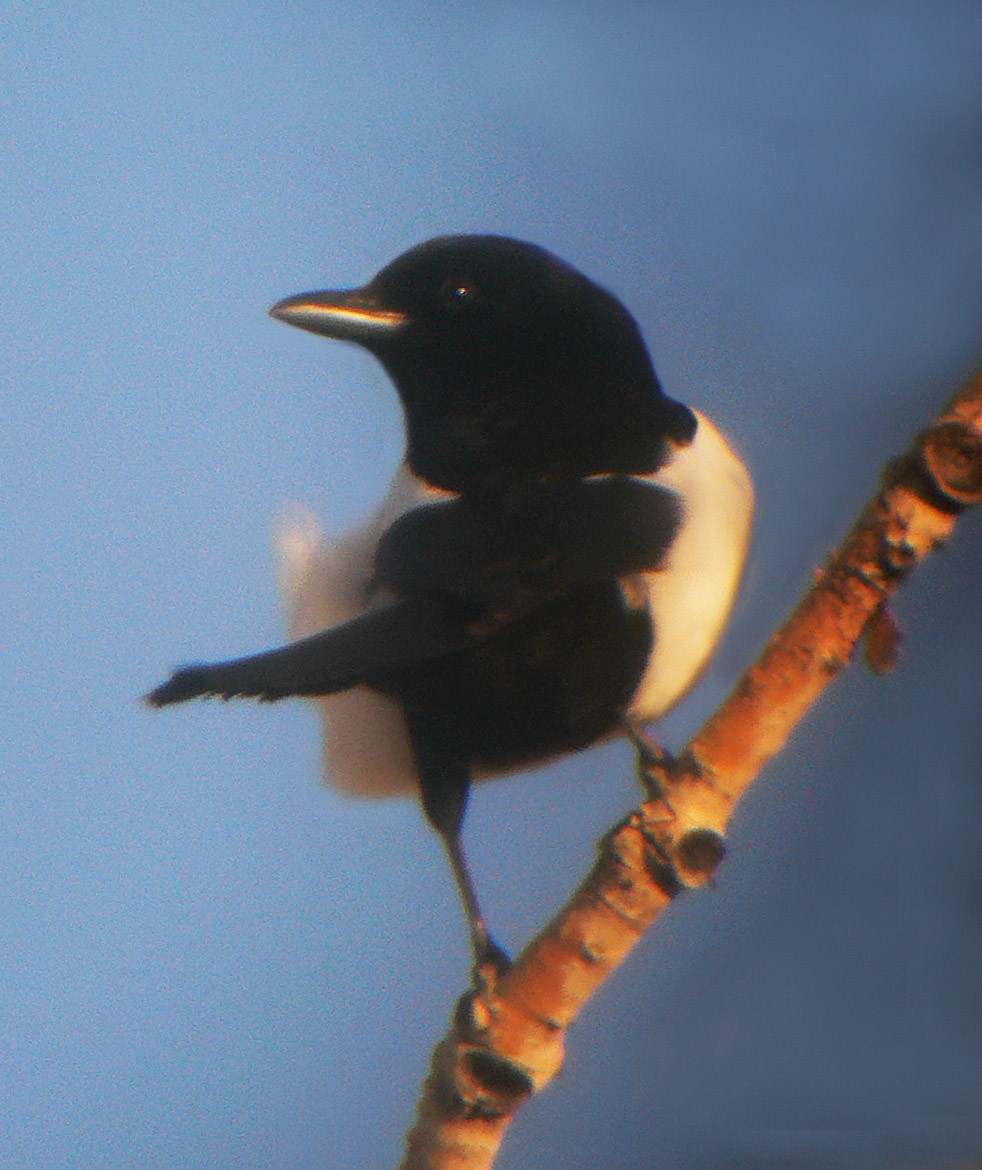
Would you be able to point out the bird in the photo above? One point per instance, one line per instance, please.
(555, 560)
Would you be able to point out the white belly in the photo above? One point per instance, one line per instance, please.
(690, 599)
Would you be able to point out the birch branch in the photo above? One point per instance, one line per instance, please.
(506, 1039)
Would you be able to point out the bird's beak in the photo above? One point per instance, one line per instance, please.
(346, 315)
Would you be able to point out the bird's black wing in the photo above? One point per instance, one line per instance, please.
(373, 645)
(463, 569)
(504, 558)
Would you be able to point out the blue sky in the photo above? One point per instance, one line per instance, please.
(207, 959)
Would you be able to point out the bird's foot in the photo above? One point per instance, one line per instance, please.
(491, 962)
(653, 760)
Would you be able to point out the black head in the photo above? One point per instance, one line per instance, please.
(508, 362)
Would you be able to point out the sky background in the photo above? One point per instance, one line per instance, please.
(209, 960)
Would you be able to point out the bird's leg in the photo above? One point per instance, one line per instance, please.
(486, 950)
(445, 782)
(653, 759)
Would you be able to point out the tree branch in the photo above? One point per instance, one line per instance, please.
(506, 1039)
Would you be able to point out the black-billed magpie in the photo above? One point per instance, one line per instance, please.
(557, 556)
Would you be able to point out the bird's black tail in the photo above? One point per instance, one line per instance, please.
(372, 646)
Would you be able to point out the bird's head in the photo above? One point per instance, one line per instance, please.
(508, 362)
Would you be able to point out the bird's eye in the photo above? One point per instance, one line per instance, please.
(459, 294)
